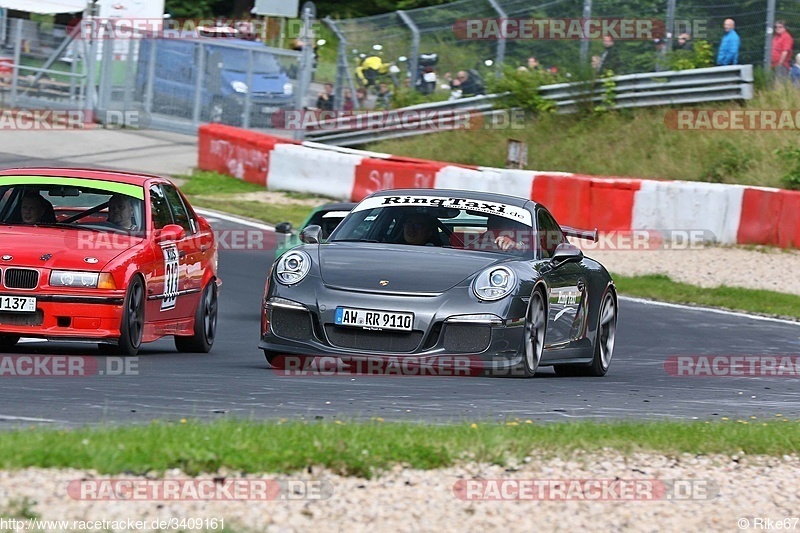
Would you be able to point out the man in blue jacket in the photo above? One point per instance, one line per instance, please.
(729, 46)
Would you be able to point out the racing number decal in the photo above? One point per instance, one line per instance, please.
(171, 277)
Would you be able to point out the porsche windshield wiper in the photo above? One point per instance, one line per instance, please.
(355, 240)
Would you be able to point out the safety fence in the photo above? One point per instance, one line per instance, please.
(633, 90)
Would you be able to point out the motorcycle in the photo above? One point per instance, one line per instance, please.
(424, 80)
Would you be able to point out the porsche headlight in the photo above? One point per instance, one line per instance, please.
(293, 267)
(288, 89)
(72, 278)
(494, 283)
(239, 86)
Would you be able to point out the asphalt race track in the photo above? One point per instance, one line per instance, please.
(235, 380)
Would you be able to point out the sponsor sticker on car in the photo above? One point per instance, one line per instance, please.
(171, 276)
(371, 319)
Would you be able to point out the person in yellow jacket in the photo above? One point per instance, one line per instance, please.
(370, 69)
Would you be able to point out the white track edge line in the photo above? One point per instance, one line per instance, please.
(710, 310)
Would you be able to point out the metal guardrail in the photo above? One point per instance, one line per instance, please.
(633, 90)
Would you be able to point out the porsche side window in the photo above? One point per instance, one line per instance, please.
(179, 213)
(159, 208)
(549, 233)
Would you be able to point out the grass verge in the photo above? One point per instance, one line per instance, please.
(661, 287)
(362, 449)
(231, 195)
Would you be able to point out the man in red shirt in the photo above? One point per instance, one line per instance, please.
(782, 44)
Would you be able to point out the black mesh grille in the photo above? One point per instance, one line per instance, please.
(22, 319)
(375, 341)
(21, 278)
(291, 324)
(466, 338)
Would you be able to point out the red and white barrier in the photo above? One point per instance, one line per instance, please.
(733, 214)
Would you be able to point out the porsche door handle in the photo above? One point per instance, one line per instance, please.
(581, 286)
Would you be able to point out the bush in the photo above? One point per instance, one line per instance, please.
(522, 88)
(791, 155)
(700, 57)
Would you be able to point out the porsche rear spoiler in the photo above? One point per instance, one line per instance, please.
(590, 235)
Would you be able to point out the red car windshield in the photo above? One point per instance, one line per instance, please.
(72, 203)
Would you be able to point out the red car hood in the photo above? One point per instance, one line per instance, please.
(67, 248)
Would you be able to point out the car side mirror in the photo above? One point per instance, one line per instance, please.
(170, 232)
(566, 252)
(284, 227)
(311, 235)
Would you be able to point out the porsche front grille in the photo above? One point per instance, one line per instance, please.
(291, 324)
(21, 278)
(467, 338)
(374, 341)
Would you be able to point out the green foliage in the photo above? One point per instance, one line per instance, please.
(700, 57)
(407, 96)
(522, 88)
(609, 94)
(728, 162)
(790, 155)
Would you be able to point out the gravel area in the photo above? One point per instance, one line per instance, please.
(402, 500)
(757, 268)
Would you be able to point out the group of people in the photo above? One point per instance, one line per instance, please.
(35, 209)
(326, 100)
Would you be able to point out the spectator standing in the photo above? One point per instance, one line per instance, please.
(795, 73)
(684, 42)
(729, 46)
(610, 58)
(361, 98)
(326, 98)
(347, 97)
(782, 44)
(384, 97)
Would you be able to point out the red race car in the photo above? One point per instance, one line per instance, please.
(100, 256)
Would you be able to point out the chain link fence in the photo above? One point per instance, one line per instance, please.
(165, 81)
(407, 34)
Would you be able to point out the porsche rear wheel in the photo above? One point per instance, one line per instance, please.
(132, 329)
(603, 342)
(205, 324)
(535, 327)
(8, 341)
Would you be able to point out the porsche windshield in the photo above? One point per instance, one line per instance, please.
(440, 222)
(72, 203)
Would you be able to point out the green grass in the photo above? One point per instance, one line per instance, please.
(362, 449)
(220, 192)
(634, 143)
(271, 214)
(661, 287)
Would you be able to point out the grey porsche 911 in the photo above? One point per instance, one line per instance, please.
(422, 274)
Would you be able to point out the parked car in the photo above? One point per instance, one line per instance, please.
(115, 258)
(426, 274)
(224, 79)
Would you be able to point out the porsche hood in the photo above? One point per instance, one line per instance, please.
(398, 268)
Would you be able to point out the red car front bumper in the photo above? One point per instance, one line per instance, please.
(61, 316)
